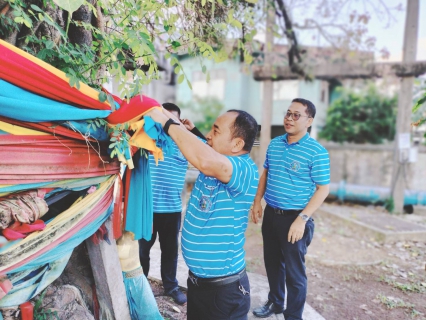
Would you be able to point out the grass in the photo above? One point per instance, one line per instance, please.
(413, 286)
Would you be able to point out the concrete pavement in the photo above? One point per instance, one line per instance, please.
(258, 285)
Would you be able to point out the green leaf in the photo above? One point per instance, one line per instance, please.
(177, 69)
(189, 84)
(69, 5)
(176, 44)
(102, 96)
(419, 103)
(166, 27)
(180, 79)
(49, 44)
(203, 2)
(36, 8)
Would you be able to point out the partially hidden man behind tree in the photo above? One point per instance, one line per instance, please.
(217, 213)
(168, 178)
(295, 182)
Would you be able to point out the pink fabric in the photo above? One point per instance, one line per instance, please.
(5, 286)
(20, 230)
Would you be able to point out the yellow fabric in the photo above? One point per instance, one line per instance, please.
(84, 88)
(140, 139)
(60, 225)
(20, 131)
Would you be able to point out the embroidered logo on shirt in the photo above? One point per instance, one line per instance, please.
(295, 166)
(205, 204)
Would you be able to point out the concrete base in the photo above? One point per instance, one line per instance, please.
(108, 278)
(258, 285)
(383, 227)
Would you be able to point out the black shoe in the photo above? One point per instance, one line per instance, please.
(267, 310)
(178, 296)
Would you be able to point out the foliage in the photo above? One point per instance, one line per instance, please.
(43, 314)
(364, 117)
(124, 35)
(205, 111)
(419, 110)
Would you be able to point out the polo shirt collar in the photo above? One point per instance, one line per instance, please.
(304, 138)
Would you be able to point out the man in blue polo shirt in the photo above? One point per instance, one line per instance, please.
(294, 183)
(217, 214)
(168, 178)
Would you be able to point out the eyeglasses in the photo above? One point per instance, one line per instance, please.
(294, 116)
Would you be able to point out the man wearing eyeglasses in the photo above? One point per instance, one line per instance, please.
(294, 183)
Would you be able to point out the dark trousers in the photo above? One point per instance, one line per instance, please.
(167, 225)
(285, 262)
(231, 301)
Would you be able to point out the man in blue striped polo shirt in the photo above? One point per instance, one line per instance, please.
(168, 178)
(217, 214)
(294, 183)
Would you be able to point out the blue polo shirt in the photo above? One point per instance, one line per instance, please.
(294, 170)
(168, 178)
(216, 219)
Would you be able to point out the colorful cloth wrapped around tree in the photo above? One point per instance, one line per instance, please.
(50, 145)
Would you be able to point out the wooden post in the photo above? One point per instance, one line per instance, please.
(268, 91)
(108, 278)
(403, 124)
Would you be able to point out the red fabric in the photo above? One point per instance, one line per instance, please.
(30, 159)
(20, 230)
(130, 110)
(127, 178)
(27, 311)
(116, 215)
(100, 208)
(48, 127)
(96, 307)
(28, 75)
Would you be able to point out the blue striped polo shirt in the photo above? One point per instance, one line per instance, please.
(294, 170)
(216, 219)
(168, 178)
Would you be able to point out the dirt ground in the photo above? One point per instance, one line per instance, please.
(352, 277)
(168, 308)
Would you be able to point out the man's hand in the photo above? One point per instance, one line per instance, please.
(189, 125)
(297, 229)
(256, 212)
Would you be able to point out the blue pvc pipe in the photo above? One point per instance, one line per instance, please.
(372, 194)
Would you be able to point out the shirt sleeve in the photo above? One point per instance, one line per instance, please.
(320, 171)
(266, 163)
(241, 175)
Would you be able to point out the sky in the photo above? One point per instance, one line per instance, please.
(392, 37)
(388, 35)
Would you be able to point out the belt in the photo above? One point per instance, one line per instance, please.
(283, 212)
(215, 282)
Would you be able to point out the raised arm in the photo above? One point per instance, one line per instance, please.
(200, 155)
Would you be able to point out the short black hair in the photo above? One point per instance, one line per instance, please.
(310, 107)
(245, 127)
(171, 107)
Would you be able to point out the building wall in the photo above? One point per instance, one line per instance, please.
(371, 165)
(241, 91)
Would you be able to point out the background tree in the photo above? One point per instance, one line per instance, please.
(361, 118)
(204, 112)
(91, 40)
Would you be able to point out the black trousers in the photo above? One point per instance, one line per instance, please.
(167, 225)
(231, 301)
(285, 262)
